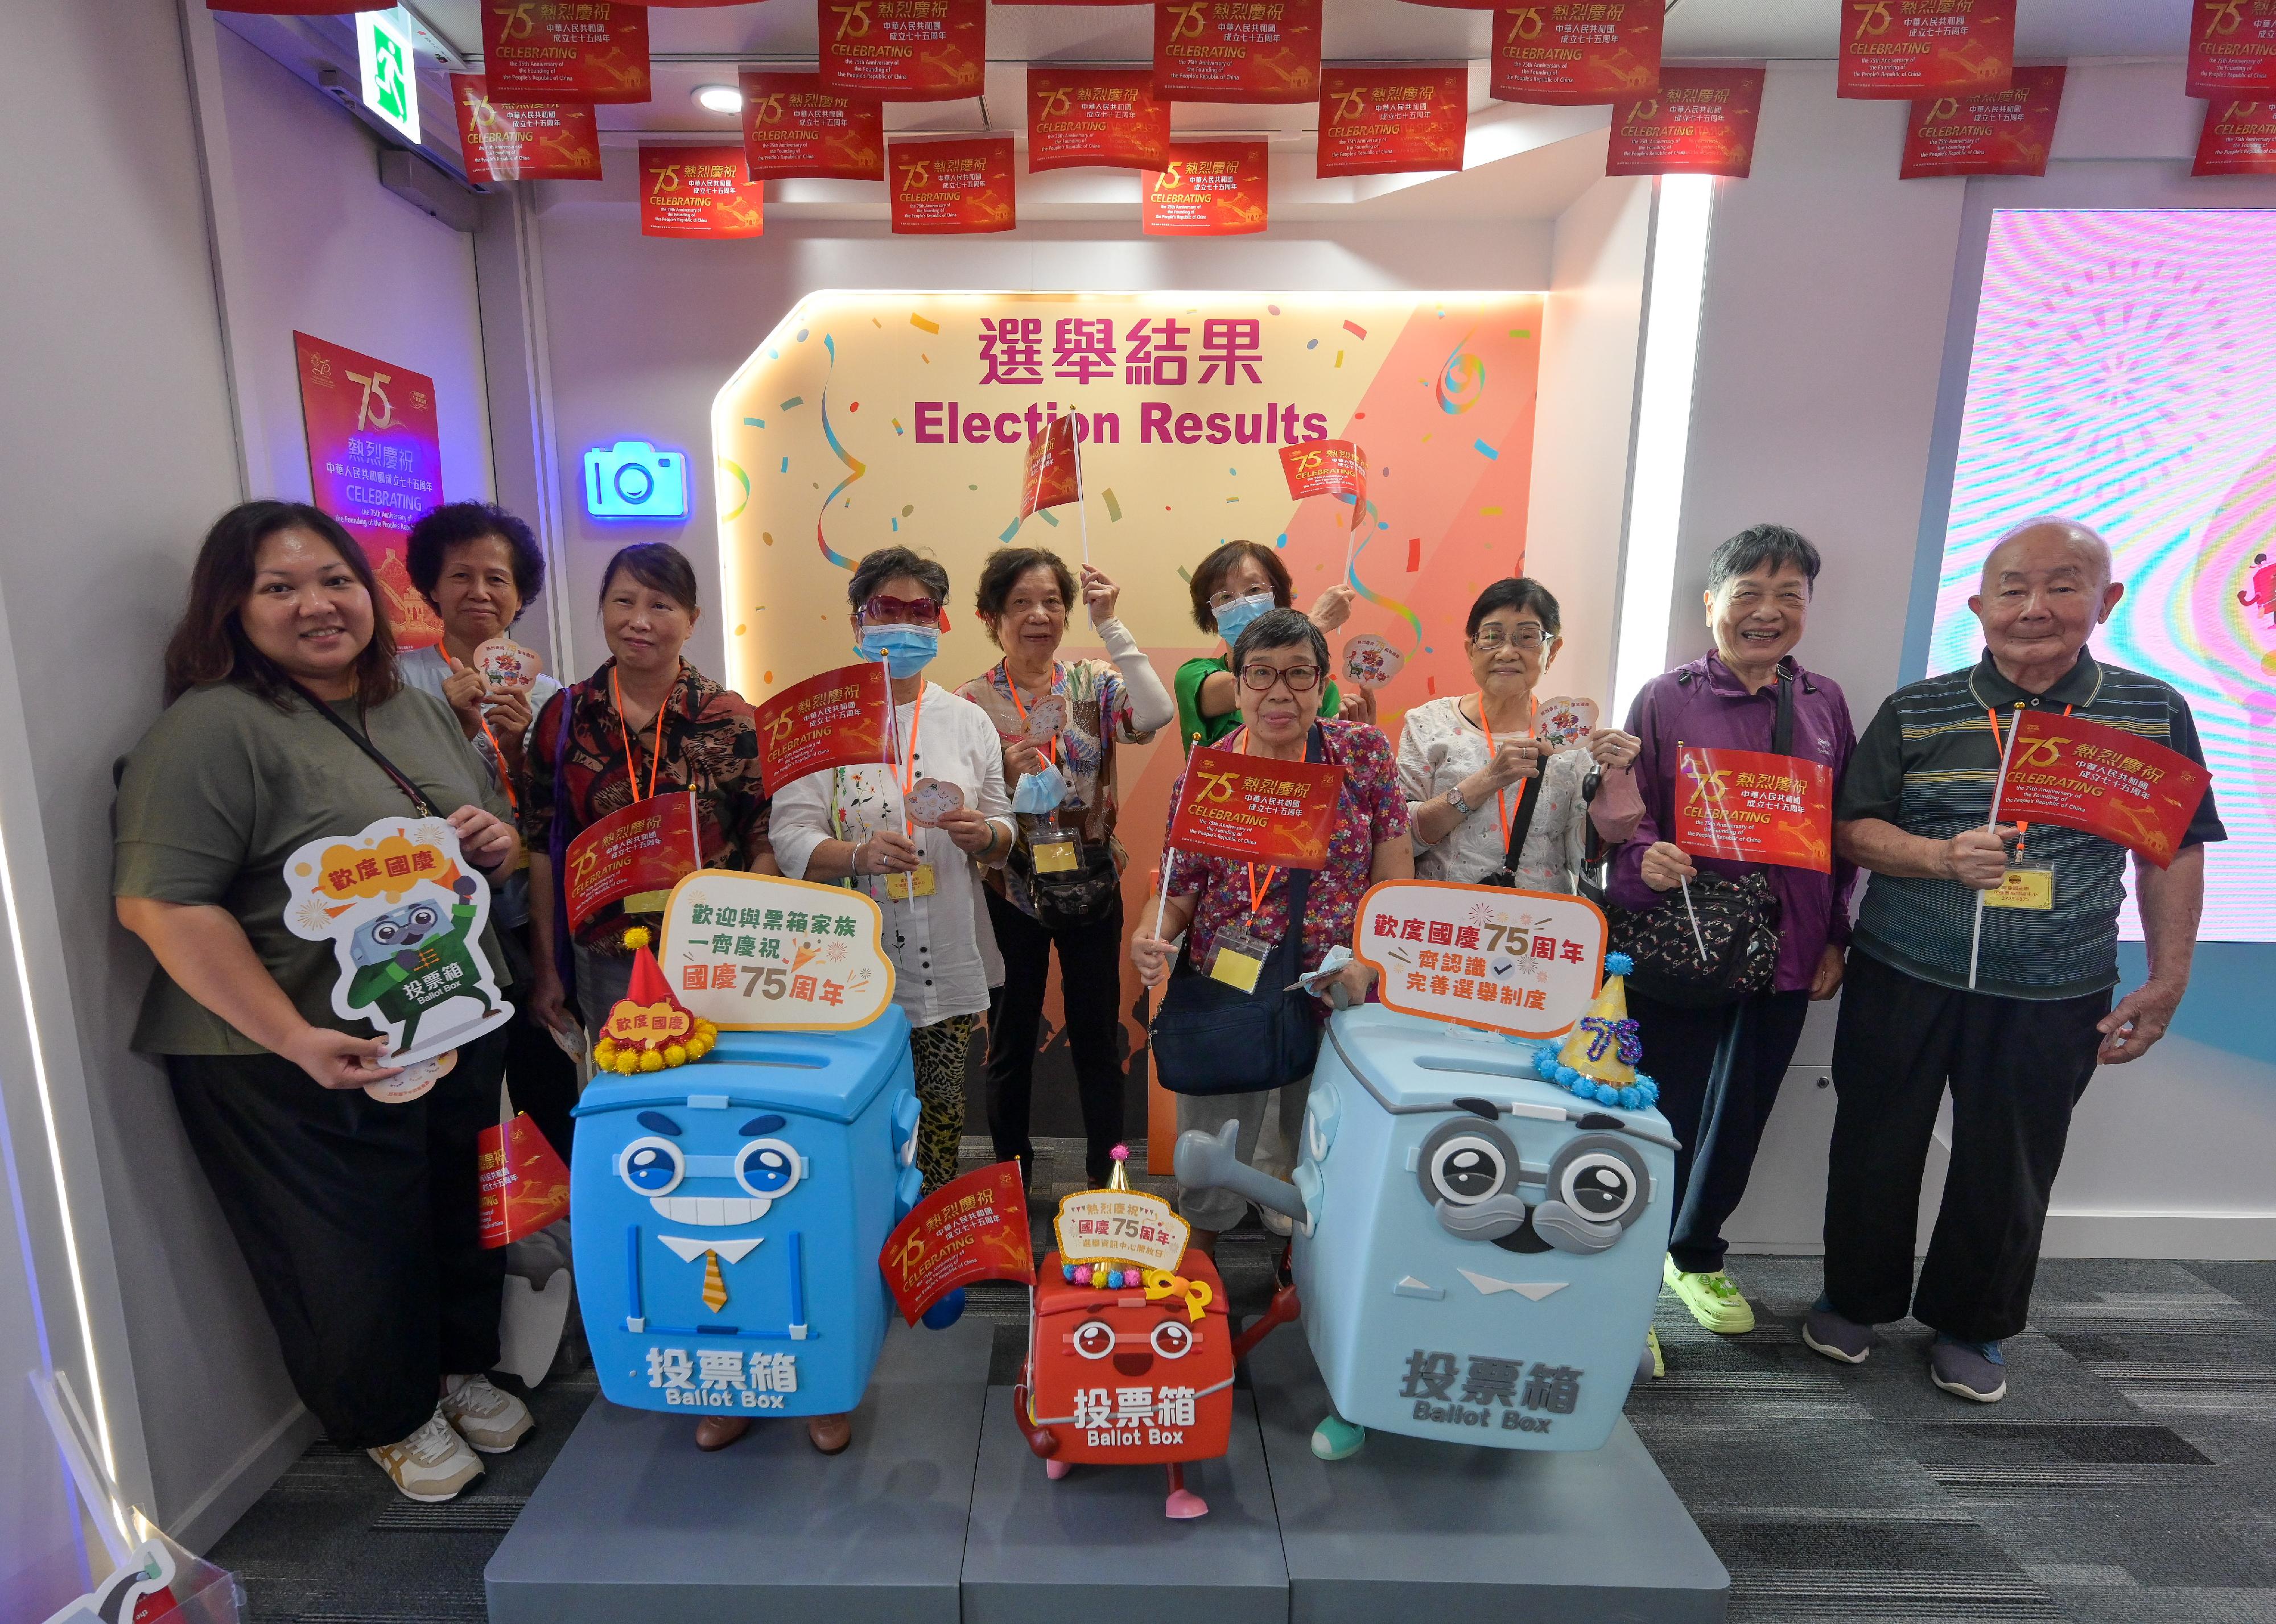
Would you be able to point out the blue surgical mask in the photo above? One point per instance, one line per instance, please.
(1038, 792)
(1233, 618)
(906, 649)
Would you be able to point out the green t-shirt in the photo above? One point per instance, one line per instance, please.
(225, 788)
(1192, 673)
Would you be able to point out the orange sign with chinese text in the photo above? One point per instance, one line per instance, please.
(524, 141)
(1752, 806)
(1239, 806)
(1109, 117)
(2083, 775)
(647, 846)
(1905, 50)
(945, 188)
(699, 192)
(1996, 133)
(2232, 49)
(836, 718)
(972, 1228)
(1210, 189)
(1390, 121)
(796, 127)
(1701, 121)
(904, 51)
(1237, 50)
(1565, 55)
(565, 50)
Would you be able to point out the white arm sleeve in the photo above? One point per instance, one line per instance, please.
(1151, 708)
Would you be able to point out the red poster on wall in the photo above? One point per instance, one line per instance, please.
(374, 464)
(2239, 139)
(795, 126)
(1210, 189)
(1237, 50)
(942, 188)
(1751, 806)
(565, 50)
(1701, 121)
(1565, 55)
(904, 51)
(1998, 133)
(634, 854)
(524, 141)
(1392, 121)
(2233, 49)
(1106, 117)
(1905, 50)
(699, 192)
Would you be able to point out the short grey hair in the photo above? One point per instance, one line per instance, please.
(2083, 540)
(877, 568)
(1281, 628)
(1760, 545)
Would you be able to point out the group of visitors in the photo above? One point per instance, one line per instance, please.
(291, 715)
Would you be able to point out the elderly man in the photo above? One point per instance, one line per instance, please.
(2017, 1052)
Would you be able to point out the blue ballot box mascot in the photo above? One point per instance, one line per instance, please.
(728, 1206)
(1478, 1226)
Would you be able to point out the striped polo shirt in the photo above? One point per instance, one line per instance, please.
(1927, 763)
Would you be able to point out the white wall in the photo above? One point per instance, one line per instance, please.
(1581, 437)
(644, 330)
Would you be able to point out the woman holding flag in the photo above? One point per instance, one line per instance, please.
(1238, 922)
(913, 832)
(1061, 882)
(1230, 588)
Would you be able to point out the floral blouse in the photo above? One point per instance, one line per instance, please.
(710, 742)
(1372, 811)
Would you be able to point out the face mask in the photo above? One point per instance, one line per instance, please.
(906, 649)
(1233, 618)
(1038, 792)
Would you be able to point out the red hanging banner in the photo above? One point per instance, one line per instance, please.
(292, 8)
(1565, 55)
(1107, 117)
(794, 128)
(1998, 133)
(1392, 121)
(1752, 806)
(1242, 806)
(2239, 139)
(942, 188)
(1210, 189)
(2232, 51)
(1050, 478)
(1905, 50)
(524, 141)
(565, 50)
(1237, 50)
(1701, 121)
(904, 51)
(699, 192)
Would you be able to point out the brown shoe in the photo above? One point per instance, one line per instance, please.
(1204, 1241)
(718, 1431)
(829, 1434)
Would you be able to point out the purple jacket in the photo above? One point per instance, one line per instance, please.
(1703, 703)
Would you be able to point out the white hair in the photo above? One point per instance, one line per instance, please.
(2084, 542)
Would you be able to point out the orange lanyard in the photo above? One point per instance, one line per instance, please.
(1501, 795)
(1020, 705)
(505, 772)
(906, 777)
(2022, 824)
(1255, 891)
(632, 770)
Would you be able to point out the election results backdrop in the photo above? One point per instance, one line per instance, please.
(870, 418)
(2123, 365)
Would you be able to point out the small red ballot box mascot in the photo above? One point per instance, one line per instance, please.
(1130, 1352)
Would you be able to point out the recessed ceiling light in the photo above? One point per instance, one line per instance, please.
(720, 98)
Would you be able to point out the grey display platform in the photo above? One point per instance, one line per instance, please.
(1095, 1545)
(1453, 1533)
(633, 1521)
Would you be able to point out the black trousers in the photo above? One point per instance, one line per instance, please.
(1719, 1072)
(1090, 991)
(542, 1078)
(2016, 1067)
(361, 1223)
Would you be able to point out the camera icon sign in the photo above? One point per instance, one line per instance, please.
(634, 480)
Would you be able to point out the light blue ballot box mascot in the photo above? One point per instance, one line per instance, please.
(727, 1211)
(1479, 1224)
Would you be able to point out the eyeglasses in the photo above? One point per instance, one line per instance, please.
(1525, 637)
(1300, 679)
(1219, 600)
(883, 610)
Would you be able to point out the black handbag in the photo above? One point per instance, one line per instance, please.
(1738, 924)
(1212, 1038)
(1083, 896)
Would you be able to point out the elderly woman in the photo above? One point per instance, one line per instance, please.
(286, 723)
(1230, 588)
(1719, 1068)
(1062, 884)
(1489, 800)
(1216, 904)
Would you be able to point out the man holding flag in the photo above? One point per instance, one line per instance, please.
(1986, 952)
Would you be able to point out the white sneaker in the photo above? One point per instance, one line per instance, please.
(492, 1421)
(432, 1464)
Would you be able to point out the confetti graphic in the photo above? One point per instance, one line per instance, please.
(1461, 381)
(1414, 621)
(741, 502)
(859, 467)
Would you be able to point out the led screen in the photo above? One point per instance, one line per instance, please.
(2124, 374)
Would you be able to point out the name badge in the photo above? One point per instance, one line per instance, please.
(2024, 888)
(918, 882)
(1055, 852)
(1237, 959)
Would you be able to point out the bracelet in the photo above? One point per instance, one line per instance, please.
(860, 849)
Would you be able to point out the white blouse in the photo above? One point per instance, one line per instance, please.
(1439, 747)
(934, 941)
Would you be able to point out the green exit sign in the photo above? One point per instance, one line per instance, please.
(391, 86)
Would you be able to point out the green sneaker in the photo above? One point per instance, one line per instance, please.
(1713, 1300)
(1336, 1439)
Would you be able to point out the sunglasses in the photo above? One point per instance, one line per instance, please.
(883, 611)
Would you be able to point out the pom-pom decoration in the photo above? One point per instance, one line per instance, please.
(648, 1029)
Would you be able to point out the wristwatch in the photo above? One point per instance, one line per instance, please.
(1454, 799)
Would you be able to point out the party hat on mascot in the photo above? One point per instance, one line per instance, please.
(1598, 1059)
(648, 1029)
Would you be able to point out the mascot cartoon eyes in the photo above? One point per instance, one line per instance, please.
(404, 927)
(1172, 1341)
(1094, 1338)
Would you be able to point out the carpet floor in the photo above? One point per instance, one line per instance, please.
(2129, 1478)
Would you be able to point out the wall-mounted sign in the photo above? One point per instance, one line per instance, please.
(388, 71)
(634, 480)
(374, 464)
